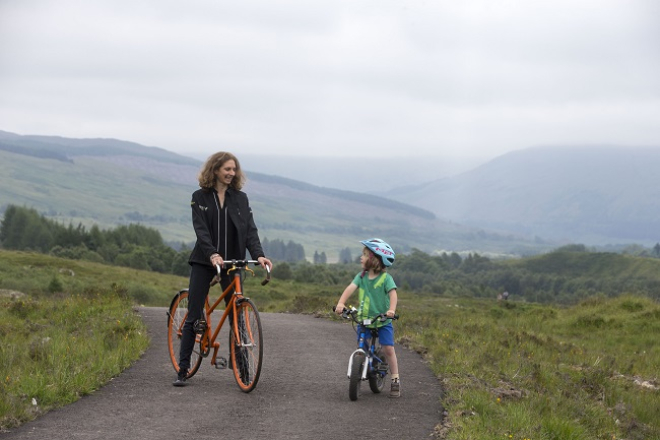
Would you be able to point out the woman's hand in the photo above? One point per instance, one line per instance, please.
(265, 262)
(216, 260)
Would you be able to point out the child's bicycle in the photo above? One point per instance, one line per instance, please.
(366, 363)
(245, 337)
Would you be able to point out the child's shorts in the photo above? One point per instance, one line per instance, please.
(385, 334)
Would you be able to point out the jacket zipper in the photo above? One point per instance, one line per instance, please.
(217, 244)
(226, 219)
(217, 208)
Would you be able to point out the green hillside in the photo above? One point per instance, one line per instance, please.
(91, 191)
(110, 183)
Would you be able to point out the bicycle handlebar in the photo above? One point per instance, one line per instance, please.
(239, 264)
(351, 313)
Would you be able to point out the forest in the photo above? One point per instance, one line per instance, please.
(133, 245)
(566, 275)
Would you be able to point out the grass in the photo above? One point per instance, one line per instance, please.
(524, 371)
(516, 370)
(510, 370)
(69, 346)
(66, 328)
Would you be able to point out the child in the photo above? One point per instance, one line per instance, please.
(377, 295)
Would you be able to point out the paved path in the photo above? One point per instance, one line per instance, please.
(302, 394)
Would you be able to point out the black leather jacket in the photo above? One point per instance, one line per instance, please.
(206, 217)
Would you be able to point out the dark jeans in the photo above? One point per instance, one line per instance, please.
(198, 290)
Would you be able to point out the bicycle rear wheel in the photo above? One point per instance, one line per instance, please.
(176, 317)
(376, 377)
(247, 351)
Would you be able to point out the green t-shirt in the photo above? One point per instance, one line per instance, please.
(374, 296)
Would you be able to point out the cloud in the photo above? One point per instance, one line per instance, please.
(359, 77)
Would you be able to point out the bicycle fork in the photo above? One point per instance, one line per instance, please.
(365, 367)
(381, 368)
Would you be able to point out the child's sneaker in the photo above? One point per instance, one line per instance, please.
(395, 390)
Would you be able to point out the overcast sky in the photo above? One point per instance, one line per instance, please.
(333, 77)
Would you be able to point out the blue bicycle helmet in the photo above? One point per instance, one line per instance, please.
(383, 250)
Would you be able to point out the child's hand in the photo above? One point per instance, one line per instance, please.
(390, 313)
(339, 308)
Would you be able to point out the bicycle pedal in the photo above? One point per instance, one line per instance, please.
(200, 326)
(382, 368)
(221, 363)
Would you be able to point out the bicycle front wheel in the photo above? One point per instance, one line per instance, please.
(246, 348)
(356, 376)
(176, 317)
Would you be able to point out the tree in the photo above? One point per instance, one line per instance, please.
(95, 239)
(345, 256)
(180, 264)
(294, 252)
(282, 272)
(320, 258)
(136, 259)
(277, 250)
(25, 229)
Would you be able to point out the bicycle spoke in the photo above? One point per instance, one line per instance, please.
(177, 315)
(246, 347)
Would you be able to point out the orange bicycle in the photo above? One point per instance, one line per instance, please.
(245, 336)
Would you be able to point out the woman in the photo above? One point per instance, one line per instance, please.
(225, 229)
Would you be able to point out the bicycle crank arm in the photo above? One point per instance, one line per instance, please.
(220, 364)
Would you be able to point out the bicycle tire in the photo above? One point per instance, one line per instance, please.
(247, 354)
(356, 376)
(376, 380)
(176, 317)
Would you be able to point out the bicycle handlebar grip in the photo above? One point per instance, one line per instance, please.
(383, 317)
(267, 279)
(345, 313)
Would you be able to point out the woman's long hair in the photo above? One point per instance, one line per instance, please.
(207, 177)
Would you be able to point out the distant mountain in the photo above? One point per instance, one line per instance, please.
(589, 195)
(110, 182)
(373, 175)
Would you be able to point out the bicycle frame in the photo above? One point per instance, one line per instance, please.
(236, 297)
(237, 286)
(368, 350)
